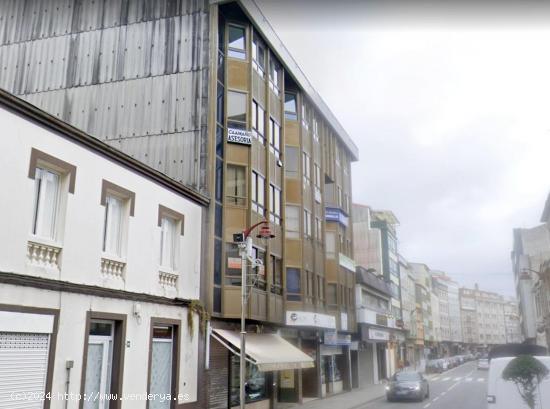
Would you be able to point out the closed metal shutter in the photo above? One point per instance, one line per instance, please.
(23, 369)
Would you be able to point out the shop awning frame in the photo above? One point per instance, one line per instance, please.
(269, 352)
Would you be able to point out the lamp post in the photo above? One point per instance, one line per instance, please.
(245, 251)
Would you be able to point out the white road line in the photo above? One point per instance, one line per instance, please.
(427, 405)
(435, 399)
(469, 379)
(436, 378)
(446, 379)
(458, 379)
(443, 393)
(481, 379)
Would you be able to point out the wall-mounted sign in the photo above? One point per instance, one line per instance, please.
(234, 262)
(378, 335)
(343, 321)
(334, 338)
(240, 136)
(334, 214)
(310, 319)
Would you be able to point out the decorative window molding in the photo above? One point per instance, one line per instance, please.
(110, 188)
(39, 158)
(166, 212)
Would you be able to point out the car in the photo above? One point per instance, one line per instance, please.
(407, 385)
(502, 394)
(483, 364)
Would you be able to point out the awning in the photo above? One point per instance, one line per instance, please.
(270, 352)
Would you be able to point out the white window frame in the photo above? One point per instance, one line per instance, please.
(275, 201)
(275, 137)
(258, 197)
(173, 259)
(43, 172)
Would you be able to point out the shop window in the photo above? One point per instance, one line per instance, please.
(236, 185)
(255, 383)
(293, 284)
(236, 42)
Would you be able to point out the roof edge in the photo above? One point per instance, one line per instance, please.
(253, 11)
(37, 115)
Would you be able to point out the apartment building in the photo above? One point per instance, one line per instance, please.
(100, 272)
(511, 321)
(412, 318)
(542, 286)
(531, 247)
(205, 93)
(449, 311)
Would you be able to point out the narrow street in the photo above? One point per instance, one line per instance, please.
(460, 388)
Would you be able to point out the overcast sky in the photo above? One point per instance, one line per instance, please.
(450, 109)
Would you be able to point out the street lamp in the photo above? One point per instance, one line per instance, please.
(244, 242)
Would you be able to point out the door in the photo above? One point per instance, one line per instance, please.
(162, 367)
(23, 369)
(99, 361)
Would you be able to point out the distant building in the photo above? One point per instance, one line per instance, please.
(449, 310)
(411, 317)
(511, 322)
(530, 249)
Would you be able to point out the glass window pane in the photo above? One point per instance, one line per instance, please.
(113, 225)
(290, 106)
(45, 203)
(291, 161)
(236, 185)
(168, 248)
(236, 37)
(236, 106)
(293, 284)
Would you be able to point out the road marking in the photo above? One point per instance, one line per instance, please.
(427, 405)
(436, 378)
(469, 379)
(435, 399)
(481, 379)
(458, 379)
(446, 379)
(443, 393)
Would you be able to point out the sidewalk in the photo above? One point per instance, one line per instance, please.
(346, 400)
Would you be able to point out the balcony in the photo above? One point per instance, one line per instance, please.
(366, 315)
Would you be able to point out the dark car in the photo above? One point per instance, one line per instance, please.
(407, 385)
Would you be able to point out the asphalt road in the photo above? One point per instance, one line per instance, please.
(463, 387)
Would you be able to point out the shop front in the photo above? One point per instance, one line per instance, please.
(269, 360)
(335, 363)
(374, 355)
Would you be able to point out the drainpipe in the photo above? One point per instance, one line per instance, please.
(68, 366)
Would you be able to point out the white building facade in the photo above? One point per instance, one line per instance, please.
(98, 274)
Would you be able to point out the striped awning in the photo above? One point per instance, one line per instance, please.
(270, 352)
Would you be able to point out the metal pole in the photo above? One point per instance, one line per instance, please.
(242, 364)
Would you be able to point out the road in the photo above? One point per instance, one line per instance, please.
(463, 387)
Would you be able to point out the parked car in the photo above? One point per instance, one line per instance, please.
(503, 394)
(483, 364)
(407, 385)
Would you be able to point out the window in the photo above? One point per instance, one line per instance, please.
(112, 226)
(256, 383)
(47, 186)
(163, 365)
(277, 272)
(290, 106)
(258, 55)
(315, 130)
(332, 294)
(309, 286)
(274, 75)
(258, 122)
(320, 288)
(259, 271)
(292, 158)
(236, 107)
(307, 223)
(317, 175)
(293, 284)
(274, 138)
(292, 217)
(236, 185)
(169, 243)
(236, 42)
(258, 193)
(318, 229)
(330, 243)
(275, 204)
(306, 168)
(305, 118)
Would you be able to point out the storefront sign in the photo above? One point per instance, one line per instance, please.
(310, 319)
(239, 136)
(333, 214)
(287, 379)
(378, 335)
(334, 338)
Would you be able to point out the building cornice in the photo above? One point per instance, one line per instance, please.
(54, 124)
(48, 284)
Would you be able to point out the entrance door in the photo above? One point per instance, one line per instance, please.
(162, 366)
(99, 365)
